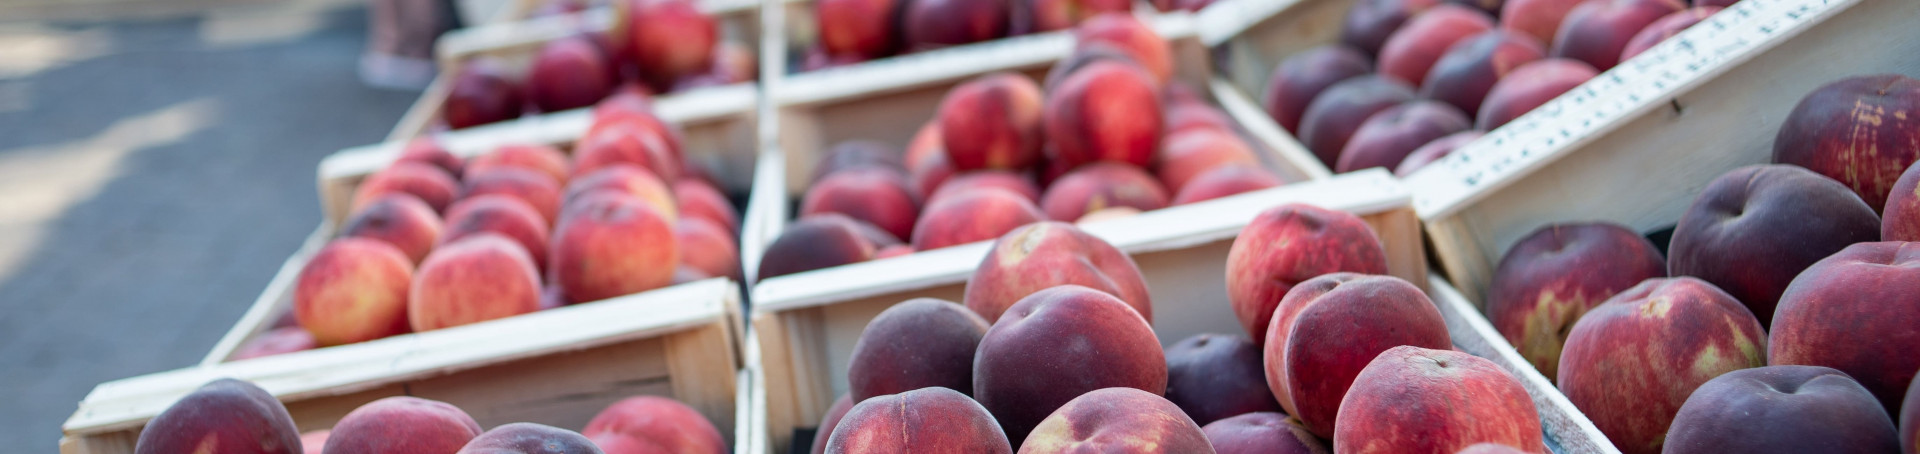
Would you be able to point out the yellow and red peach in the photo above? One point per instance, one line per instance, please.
(976, 214)
(502, 215)
(482, 277)
(402, 424)
(664, 422)
(429, 183)
(991, 122)
(928, 419)
(1289, 244)
(1863, 131)
(1108, 110)
(1188, 154)
(399, 219)
(1100, 186)
(353, 290)
(1327, 330)
(1551, 277)
(1412, 399)
(535, 190)
(610, 244)
(707, 247)
(1043, 255)
(547, 160)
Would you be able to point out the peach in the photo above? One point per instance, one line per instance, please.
(547, 160)
(699, 200)
(1110, 25)
(1106, 111)
(1412, 399)
(707, 247)
(539, 193)
(1225, 181)
(1411, 51)
(878, 195)
(823, 241)
(1665, 28)
(1118, 419)
(1050, 15)
(428, 150)
(1434, 151)
(830, 421)
(278, 341)
(1216, 376)
(863, 29)
(1338, 111)
(1370, 22)
(639, 140)
(1539, 19)
(1017, 183)
(931, 419)
(353, 290)
(625, 179)
(1100, 186)
(482, 277)
(611, 244)
(856, 153)
(977, 214)
(402, 424)
(1189, 154)
(503, 215)
(1388, 137)
(670, 39)
(1529, 86)
(1597, 32)
(1262, 433)
(1863, 131)
(1042, 255)
(1463, 76)
(1855, 311)
(1327, 330)
(1297, 80)
(1748, 231)
(661, 421)
(570, 73)
(1900, 221)
(1292, 243)
(481, 94)
(926, 161)
(918, 343)
(1080, 58)
(400, 220)
(929, 24)
(529, 438)
(1185, 116)
(1554, 275)
(991, 122)
(224, 416)
(1632, 361)
(1782, 409)
(429, 183)
(1057, 344)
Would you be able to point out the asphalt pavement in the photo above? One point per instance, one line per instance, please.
(154, 174)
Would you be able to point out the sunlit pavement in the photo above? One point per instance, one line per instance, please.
(154, 173)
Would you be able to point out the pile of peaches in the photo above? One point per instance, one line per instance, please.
(853, 31)
(1110, 133)
(655, 46)
(1784, 314)
(234, 416)
(1411, 80)
(434, 241)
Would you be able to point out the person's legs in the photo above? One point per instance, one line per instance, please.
(400, 41)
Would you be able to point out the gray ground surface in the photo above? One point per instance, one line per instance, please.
(153, 176)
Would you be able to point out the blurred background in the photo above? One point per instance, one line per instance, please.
(157, 164)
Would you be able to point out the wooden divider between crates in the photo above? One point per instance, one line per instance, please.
(557, 367)
(718, 126)
(516, 42)
(807, 323)
(1638, 144)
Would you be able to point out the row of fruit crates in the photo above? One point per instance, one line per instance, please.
(1634, 145)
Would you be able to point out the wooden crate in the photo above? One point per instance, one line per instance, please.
(719, 126)
(1637, 145)
(888, 101)
(807, 323)
(558, 367)
(515, 42)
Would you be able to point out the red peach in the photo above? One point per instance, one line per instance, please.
(538, 192)
(1117, 419)
(1100, 186)
(1326, 332)
(1370, 22)
(428, 150)
(481, 94)
(929, 24)
(1900, 221)
(1297, 80)
(1388, 137)
(547, 160)
(1050, 15)
(402, 424)
(1551, 277)
(1106, 111)
(973, 215)
(1855, 311)
(483, 277)
(918, 343)
(662, 421)
(1185, 116)
(991, 122)
(863, 29)
(1863, 131)
(1292, 243)
(926, 161)
(878, 195)
(1411, 51)
(1058, 344)
(1262, 433)
(570, 73)
(1782, 409)
(924, 420)
(399, 219)
(1412, 399)
(1529, 86)
(1665, 28)
(1189, 154)
(625, 140)
(1018, 183)
(353, 290)
(1539, 19)
(1463, 76)
(699, 200)
(670, 39)
(1340, 110)
(822, 241)
(1214, 376)
(624, 179)
(1042, 255)
(1225, 181)
(830, 421)
(429, 183)
(707, 247)
(610, 244)
(1597, 32)
(1114, 28)
(224, 416)
(502, 215)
